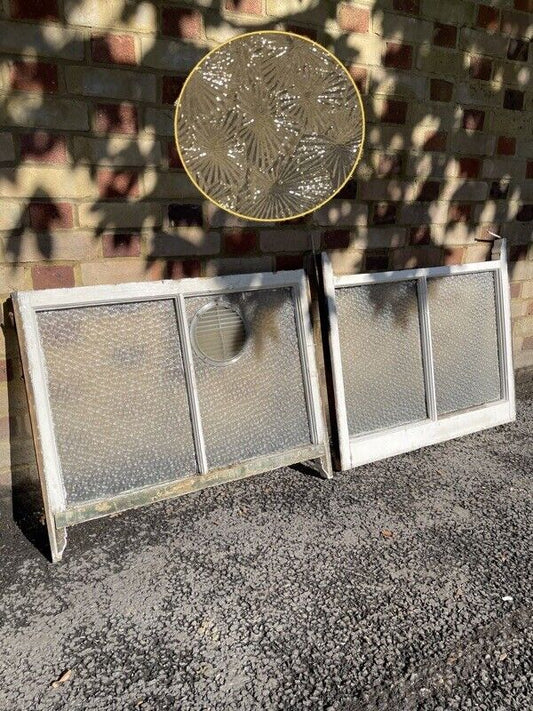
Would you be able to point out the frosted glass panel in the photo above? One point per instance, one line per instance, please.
(256, 404)
(465, 340)
(118, 398)
(381, 355)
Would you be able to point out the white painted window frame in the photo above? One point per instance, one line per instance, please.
(26, 306)
(362, 449)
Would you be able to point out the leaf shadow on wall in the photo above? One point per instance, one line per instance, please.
(401, 212)
(384, 218)
(386, 134)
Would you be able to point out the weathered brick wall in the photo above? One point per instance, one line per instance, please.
(91, 189)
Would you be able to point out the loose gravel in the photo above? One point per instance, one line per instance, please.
(405, 584)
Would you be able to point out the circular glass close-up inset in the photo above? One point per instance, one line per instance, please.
(269, 126)
(218, 333)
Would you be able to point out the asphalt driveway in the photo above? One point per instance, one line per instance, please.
(401, 585)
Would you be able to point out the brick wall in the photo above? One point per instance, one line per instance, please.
(92, 191)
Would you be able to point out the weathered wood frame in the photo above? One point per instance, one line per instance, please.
(365, 448)
(58, 513)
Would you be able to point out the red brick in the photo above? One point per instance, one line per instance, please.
(444, 35)
(6, 370)
(473, 119)
(469, 167)
(524, 5)
(488, 17)
(337, 239)
(441, 90)
(125, 245)
(527, 344)
(480, 68)
(453, 255)
(516, 289)
(518, 50)
(50, 215)
(376, 261)
(384, 213)
(171, 88)
(34, 10)
(237, 242)
(360, 76)
(34, 76)
(435, 141)
(411, 6)
(43, 147)
(181, 22)
(248, 7)
(459, 212)
(155, 269)
(289, 261)
(513, 100)
(117, 183)
(174, 160)
(182, 268)
(353, 19)
(529, 170)
(113, 49)
(51, 277)
(389, 165)
(506, 146)
(429, 190)
(185, 215)
(302, 31)
(420, 235)
(399, 56)
(116, 118)
(525, 214)
(394, 111)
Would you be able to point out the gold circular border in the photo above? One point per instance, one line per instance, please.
(357, 94)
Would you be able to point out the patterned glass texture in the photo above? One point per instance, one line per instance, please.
(255, 405)
(269, 125)
(118, 398)
(381, 355)
(465, 340)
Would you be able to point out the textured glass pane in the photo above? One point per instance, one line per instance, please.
(381, 355)
(118, 397)
(256, 404)
(465, 341)
(269, 125)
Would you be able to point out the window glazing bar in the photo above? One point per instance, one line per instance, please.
(190, 381)
(427, 348)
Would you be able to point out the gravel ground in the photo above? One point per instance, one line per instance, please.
(282, 592)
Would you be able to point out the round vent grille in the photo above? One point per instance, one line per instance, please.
(218, 333)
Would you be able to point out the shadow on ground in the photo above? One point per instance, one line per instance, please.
(282, 592)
